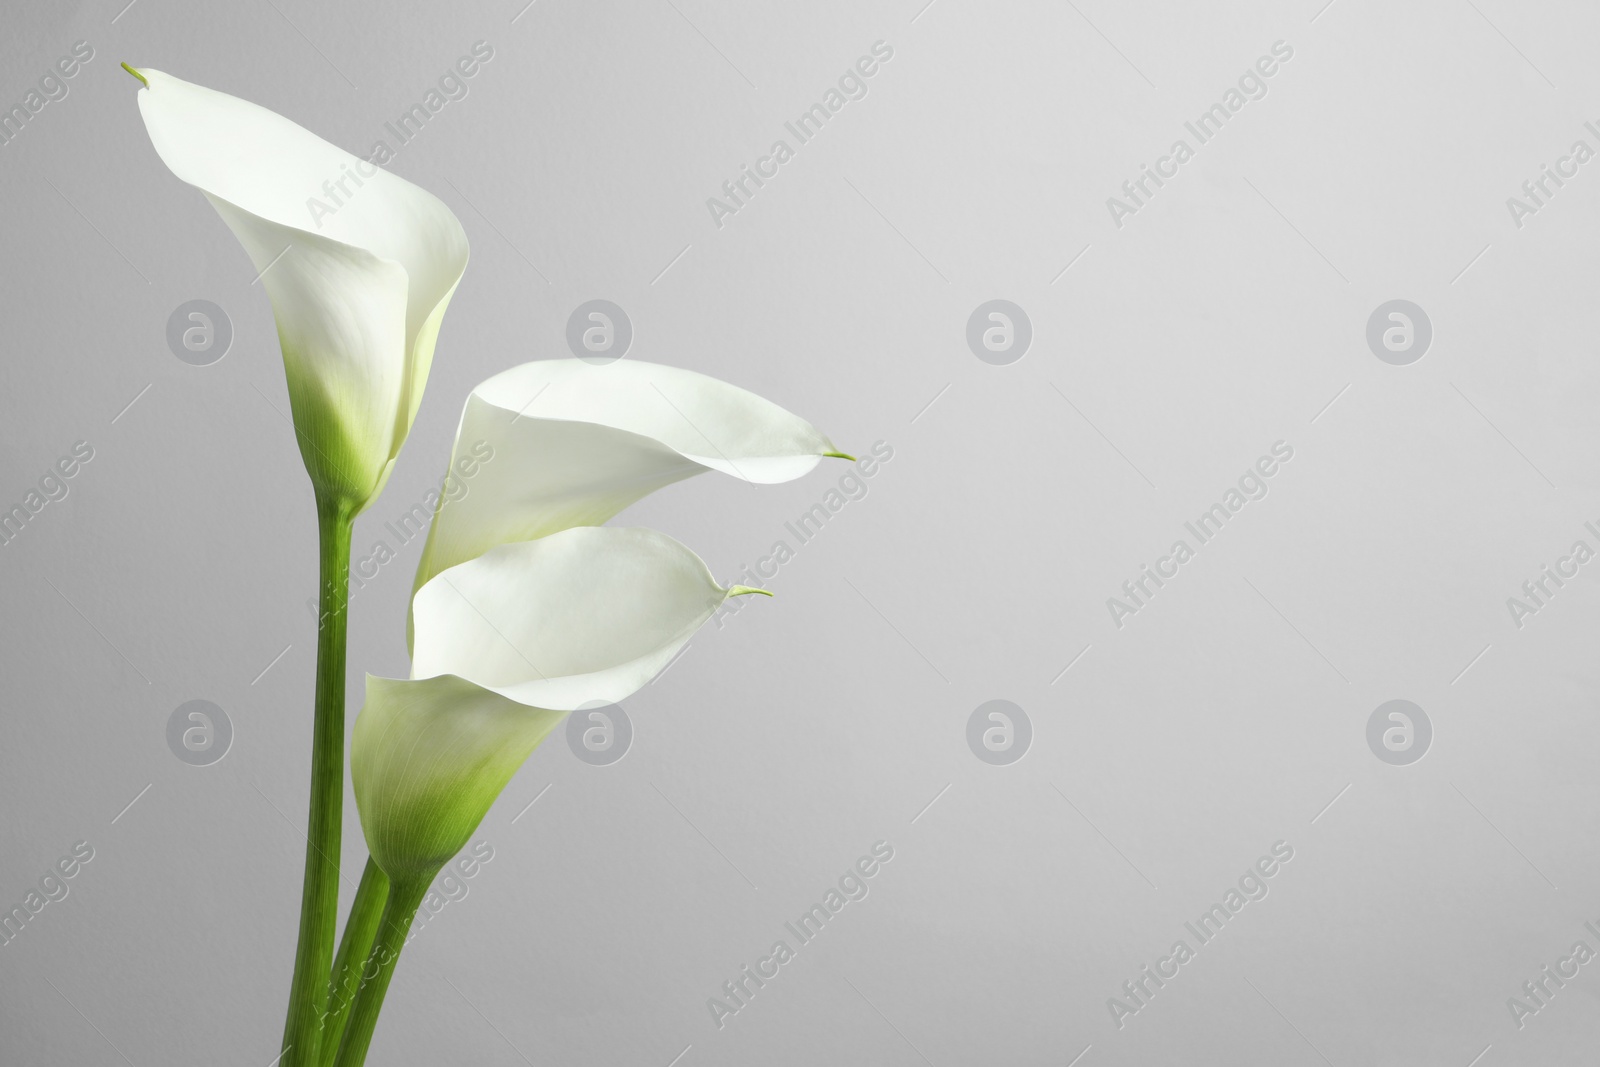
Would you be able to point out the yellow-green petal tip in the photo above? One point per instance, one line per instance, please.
(136, 74)
(840, 455)
(745, 590)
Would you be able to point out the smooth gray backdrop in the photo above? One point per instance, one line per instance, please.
(1228, 313)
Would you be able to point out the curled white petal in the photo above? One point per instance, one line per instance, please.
(572, 444)
(506, 645)
(358, 263)
(586, 615)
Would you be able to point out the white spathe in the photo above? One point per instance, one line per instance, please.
(574, 443)
(506, 645)
(358, 293)
(584, 616)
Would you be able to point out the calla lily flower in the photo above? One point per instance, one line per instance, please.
(575, 443)
(506, 645)
(358, 263)
(525, 608)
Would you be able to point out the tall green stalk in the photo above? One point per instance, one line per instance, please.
(319, 900)
(354, 947)
(404, 897)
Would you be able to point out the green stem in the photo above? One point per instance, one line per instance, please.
(392, 932)
(319, 901)
(359, 930)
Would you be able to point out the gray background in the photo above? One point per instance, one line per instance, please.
(1223, 317)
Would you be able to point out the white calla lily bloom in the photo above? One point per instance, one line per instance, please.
(575, 443)
(358, 293)
(506, 645)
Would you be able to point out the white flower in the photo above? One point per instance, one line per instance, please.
(575, 443)
(358, 294)
(506, 645)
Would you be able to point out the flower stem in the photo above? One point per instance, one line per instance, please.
(359, 930)
(319, 901)
(392, 933)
